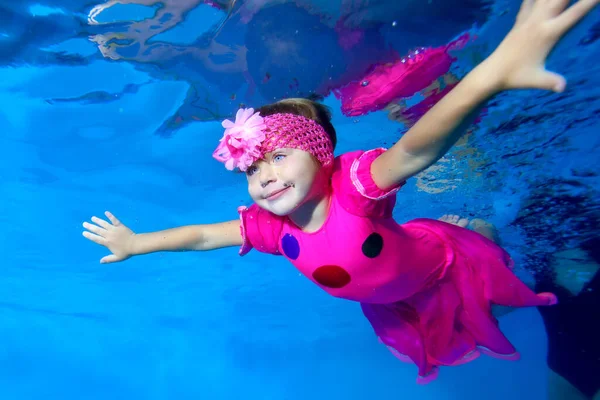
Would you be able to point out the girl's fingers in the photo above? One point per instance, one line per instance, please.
(109, 259)
(95, 238)
(112, 218)
(526, 7)
(101, 222)
(94, 228)
(554, 8)
(549, 80)
(574, 14)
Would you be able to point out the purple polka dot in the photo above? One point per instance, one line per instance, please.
(332, 276)
(290, 246)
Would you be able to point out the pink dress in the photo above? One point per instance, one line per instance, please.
(426, 286)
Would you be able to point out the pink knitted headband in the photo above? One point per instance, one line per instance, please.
(251, 136)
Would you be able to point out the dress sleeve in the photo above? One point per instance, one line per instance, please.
(354, 186)
(260, 230)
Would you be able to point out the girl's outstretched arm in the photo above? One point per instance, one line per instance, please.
(124, 243)
(517, 63)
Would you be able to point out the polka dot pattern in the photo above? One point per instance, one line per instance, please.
(291, 247)
(373, 245)
(332, 276)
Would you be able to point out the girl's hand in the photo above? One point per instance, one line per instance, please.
(115, 236)
(518, 62)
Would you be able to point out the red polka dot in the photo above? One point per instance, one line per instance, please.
(332, 276)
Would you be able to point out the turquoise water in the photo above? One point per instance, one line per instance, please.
(121, 113)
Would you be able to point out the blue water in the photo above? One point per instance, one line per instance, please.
(122, 114)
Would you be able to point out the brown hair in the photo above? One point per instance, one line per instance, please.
(305, 107)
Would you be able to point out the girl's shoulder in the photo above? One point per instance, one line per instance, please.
(355, 189)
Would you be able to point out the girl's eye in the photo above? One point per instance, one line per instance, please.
(251, 170)
(278, 157)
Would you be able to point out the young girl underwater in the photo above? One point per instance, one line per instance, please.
(426, 286)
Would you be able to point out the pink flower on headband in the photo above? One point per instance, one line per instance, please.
(240, 145)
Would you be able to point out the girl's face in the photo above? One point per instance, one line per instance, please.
(285, 180)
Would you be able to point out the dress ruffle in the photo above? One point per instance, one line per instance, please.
(450, 322)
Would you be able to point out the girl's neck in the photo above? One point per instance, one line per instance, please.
(312, 214)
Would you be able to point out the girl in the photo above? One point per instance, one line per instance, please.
(426, 286)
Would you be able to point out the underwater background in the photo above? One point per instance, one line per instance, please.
(118, 106)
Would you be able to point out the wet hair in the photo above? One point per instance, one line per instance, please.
(306, 107)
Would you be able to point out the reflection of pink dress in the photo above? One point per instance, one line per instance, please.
(385, 83)
(425, 286)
